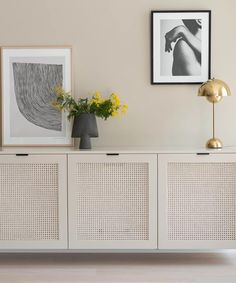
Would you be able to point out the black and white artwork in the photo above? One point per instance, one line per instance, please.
(33, 85)
(180, 47)
(29, 76)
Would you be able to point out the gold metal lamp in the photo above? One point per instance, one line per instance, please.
(214, 90)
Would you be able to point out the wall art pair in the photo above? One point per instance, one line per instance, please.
(180, 54)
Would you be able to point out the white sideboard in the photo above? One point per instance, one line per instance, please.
(143, 200)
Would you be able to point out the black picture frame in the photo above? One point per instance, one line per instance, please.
(180, 46)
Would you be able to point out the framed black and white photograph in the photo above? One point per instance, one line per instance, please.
(29, 75)
(181, 45)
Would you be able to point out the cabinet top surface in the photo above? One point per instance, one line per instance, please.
(104, 150)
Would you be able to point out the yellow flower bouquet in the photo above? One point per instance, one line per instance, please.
(97, 105)
(85, 110)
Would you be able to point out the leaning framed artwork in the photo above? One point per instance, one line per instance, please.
(180, 47)
(29, 75)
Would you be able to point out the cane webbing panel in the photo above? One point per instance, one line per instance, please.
(112, 201)
(29, 202)
(201, 201)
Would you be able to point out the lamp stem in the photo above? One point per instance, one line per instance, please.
(213, 120)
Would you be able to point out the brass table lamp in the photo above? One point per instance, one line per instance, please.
(214, 90)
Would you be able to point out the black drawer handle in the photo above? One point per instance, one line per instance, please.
(112, 154)
(203, 153)
(22, 154)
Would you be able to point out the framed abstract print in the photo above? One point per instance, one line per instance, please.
(29, 75)
(180, 47)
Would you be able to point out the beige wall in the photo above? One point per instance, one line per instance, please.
(111, 42)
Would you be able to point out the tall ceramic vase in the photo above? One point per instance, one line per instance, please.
(85, 127)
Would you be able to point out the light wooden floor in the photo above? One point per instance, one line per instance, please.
(181, 268)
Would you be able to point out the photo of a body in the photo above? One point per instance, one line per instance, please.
(184, 42)
(180, 47)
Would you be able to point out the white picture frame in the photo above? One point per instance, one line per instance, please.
(180, 47)
(28, 75)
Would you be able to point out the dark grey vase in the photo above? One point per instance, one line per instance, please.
(84, 127)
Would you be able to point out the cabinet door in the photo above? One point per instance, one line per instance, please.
(197, 201)
(33, 202)
(112, 201)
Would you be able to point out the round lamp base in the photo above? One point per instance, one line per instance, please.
(214, 143)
